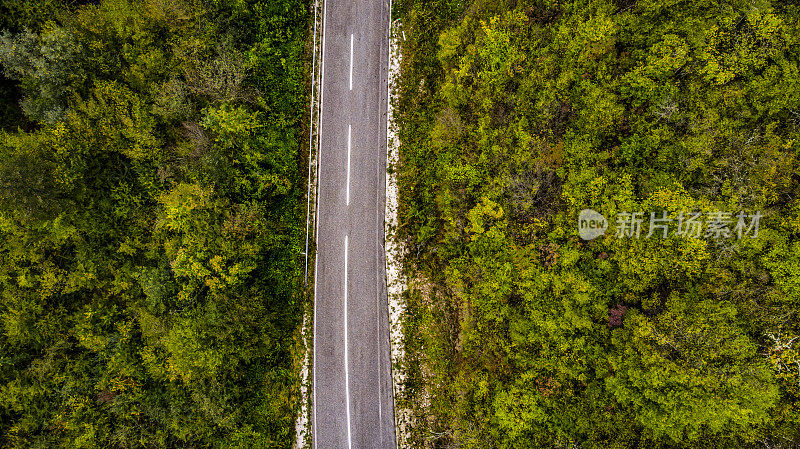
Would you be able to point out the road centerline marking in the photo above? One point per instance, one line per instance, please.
(351, 62)
(349, 134)
(346, 352)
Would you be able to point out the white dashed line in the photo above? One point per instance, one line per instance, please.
(351, 62)
(349, 134)
(346, 355)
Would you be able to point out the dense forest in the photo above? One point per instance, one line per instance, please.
(151, 222)
(516, 115)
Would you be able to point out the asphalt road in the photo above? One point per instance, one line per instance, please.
(353, 405)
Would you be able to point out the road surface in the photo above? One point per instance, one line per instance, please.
(353, 405)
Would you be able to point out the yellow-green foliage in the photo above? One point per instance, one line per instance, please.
(515, 116)
(150, 222)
